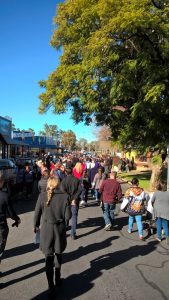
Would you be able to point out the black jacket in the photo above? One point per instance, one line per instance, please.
(71, 186)
(6, 209)
(53, 219)
(42, 184)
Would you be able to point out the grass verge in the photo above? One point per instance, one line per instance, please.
(143, 177)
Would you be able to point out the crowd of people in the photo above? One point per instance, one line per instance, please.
(63, 186)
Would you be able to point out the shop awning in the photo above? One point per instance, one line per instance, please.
(8, 141)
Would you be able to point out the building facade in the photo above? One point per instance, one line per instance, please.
(9, 148)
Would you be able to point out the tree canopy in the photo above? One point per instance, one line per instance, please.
(68, 139)
(49, 130)
(114, 68)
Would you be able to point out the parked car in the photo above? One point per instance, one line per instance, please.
(9, 170)
(25, 160)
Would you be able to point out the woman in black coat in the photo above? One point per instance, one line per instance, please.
(6, 210)
(54, 208)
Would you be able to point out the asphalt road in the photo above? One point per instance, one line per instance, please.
(99, 265)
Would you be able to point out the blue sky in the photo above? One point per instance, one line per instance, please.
(25, 58)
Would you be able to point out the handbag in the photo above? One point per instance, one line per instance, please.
(135, 206)
(150, 207)
(124, 204)
(37, 237)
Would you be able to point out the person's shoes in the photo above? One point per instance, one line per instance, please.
(141, 238)
(82, 203)
(108, 227)
(51, 293)
(101, 204)
(58, 282)
(74, 237)
(157, 239)
(129, 231)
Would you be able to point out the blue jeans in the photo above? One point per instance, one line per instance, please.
(74, 210)
(84, 194)
(162, 223)
(138, 219)
(97, 195)
(108, 213)
(92, 192)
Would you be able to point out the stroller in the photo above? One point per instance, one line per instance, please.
(149, 224)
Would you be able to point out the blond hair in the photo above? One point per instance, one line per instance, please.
(52, 184)
(78, 167)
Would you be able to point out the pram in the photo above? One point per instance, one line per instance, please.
(149, 224)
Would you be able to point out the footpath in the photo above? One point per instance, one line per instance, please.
(99, 265)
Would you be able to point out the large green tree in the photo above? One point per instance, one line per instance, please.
(68, 139)
(114, 68)
(82, 144)
(49, 130)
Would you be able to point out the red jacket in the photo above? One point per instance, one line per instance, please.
(77, 174)
(111, 191)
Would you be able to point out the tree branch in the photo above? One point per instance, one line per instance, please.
(120, 108)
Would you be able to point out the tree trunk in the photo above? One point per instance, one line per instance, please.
(155, 176)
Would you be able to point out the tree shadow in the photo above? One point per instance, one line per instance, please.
(76, 285)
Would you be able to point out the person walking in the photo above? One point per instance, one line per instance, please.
(136, 199)
(78, 170)
(6, 209)
(85, 183)
(72, 186)
(97, 181)
(160, 202)
(111, 193)
(55, 208)
(29, 180)
(92, 172)
(42, 184)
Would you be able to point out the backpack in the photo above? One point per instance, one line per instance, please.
(136, 204)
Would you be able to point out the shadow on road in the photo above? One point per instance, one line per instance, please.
(36, 273)
(20, 250)
(78, 284)
(20, 268)
(83, 251)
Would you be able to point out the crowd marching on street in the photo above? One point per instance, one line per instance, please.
(65, 184)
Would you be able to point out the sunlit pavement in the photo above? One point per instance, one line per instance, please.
(98, 265)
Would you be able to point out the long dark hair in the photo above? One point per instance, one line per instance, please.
(135, 181)
(161, 186)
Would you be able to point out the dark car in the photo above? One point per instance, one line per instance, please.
(9, 170)
(25, 161)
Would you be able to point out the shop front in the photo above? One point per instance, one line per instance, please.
(10, 148)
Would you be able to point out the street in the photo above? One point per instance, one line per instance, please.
(99, 265)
